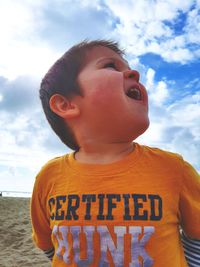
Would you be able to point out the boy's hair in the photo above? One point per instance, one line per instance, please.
(62, 79)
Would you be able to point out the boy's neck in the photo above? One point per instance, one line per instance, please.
(104, 154)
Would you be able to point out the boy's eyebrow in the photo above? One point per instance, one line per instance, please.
(125, 62)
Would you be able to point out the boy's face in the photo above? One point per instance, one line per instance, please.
(114, 107)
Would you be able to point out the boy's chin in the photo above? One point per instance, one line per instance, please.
(141, 130)
(146, 125)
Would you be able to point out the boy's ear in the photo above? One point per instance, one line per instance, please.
(63, 106)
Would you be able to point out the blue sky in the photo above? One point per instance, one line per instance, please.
(161, 39)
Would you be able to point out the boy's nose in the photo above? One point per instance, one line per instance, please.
(133, 74)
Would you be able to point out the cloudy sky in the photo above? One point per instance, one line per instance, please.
(162, 41)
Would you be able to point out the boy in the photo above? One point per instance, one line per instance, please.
(112, 202)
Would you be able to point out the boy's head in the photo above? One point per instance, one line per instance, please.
(62, 79)
(105, 91)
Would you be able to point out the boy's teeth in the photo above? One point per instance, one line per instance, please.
(134, 93)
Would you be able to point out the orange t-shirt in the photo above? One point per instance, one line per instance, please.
(126, 213)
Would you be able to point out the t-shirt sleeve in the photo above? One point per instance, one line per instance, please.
(191, 249)
(189, 204)
(41, 232)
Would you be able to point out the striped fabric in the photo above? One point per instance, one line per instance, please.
(49, 253)
(192, 250)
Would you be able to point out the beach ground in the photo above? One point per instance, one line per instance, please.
(16, 246)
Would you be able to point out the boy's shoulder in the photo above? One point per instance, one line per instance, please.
(52, 164)
(160, 152)
(161, 155)
(50, 169)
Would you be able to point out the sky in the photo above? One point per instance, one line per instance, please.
(161, 39)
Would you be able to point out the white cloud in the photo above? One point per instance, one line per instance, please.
(13, 179)
(94, 3)
(27, 143)
(174, 127)
(146, 11)
(29, 34)
(27, 60)
(18, 18)
(158, 91)
(36, 34)
(164, 10)
(156, 29)
(188, 109)
(147, 26)
(192, 27)
(20, 23)
(150, 78)
(181, 55)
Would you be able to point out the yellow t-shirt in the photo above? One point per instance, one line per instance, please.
(126, 213)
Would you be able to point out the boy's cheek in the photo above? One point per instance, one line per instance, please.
(106, 90)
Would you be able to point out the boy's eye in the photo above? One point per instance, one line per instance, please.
(110, 65)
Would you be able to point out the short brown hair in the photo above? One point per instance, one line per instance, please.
(62, 79)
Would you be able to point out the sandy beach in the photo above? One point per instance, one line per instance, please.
(16, 246)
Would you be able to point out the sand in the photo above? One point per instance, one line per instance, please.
(16, 245)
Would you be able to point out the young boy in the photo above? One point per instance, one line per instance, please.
(112, 202)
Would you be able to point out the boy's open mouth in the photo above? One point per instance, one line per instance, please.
(134, 93)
